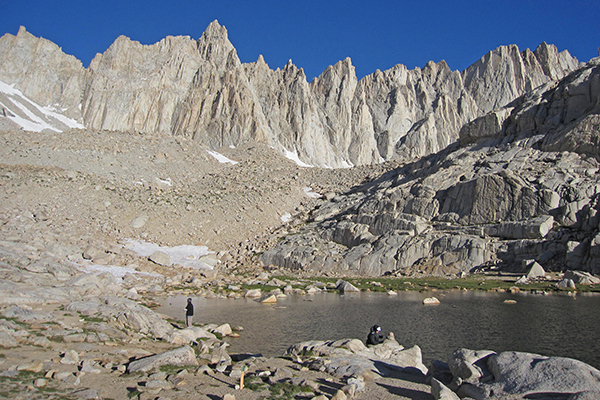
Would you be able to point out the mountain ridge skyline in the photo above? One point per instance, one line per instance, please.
(315, 34)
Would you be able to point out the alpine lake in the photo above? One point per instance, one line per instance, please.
(558, 324)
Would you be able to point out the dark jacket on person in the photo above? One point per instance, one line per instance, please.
(189, 309)
(374, 336)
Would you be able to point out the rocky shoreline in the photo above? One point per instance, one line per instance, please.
(73, 351)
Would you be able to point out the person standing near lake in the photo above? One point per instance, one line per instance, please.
(189, 313)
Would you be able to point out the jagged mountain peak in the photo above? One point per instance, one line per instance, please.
(522, 186)
(200, 89)
(215, 31)
(23, 32)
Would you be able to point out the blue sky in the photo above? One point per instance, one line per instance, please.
(375, 34)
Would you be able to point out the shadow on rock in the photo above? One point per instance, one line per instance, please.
(404, 392)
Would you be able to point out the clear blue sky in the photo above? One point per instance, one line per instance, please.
(375, 34)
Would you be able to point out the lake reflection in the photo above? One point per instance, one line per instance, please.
(554, 325)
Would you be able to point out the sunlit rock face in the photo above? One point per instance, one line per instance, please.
(200, 89)
(522, 185)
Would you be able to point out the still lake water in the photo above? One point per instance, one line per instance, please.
(554, 325)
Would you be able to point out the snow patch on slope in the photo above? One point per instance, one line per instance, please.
(221, 158)
(294, 157)
(184, 255)
(29, 115)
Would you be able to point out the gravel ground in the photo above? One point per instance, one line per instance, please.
(62, 192)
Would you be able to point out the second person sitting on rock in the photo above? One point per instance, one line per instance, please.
(374, 337)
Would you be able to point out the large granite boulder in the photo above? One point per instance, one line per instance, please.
(483, 375)
(350, 357)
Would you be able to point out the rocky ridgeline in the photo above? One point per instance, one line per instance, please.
(522, 186)
(200, 89)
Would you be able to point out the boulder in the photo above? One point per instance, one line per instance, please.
(224, 329)
(536, 271)
(28, 316)
(253, 293)
(94, 285)
(469, 365)
(70, 357)
(440, 392)
(268, 299)
(182, 356)
(344, 286)
(160, 258)
(139, 222)
(350, 357)
(535, 228)
(7, 340)
(431, 301)
(582, 278)
(566, 284)
(128, 313)
(92, 252)
(526, 375)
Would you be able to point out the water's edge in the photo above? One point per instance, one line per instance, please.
(553, 325)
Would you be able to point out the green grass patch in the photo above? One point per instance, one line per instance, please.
(287, 391)
(264, 288)
(253, 383)
(92, 318)
(173, 369)
(473, 282)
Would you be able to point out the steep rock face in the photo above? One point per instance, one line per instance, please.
(200, 89)
(528, 189)
(504, 74)
(132, 87)
(42, 72)
(417, 112)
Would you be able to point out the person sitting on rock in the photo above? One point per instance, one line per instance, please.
(374, 337)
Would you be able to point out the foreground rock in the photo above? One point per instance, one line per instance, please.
(484, 375)
(179, 357)
(350, 357)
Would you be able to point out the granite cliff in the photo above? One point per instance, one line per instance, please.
(497, 163)
(520, 186)
(200, 89)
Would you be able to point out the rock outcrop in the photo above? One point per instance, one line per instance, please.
(350, 357)
(482, 375)
(523, 187)
(200, 89)
(42, 72)
(182, 356)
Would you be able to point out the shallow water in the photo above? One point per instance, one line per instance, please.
(554, 325)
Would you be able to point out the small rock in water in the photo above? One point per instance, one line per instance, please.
(431, 301)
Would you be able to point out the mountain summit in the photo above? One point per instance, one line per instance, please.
(200, 89)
